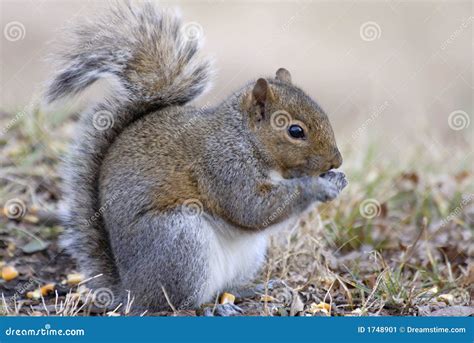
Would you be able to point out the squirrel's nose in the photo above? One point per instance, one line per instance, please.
(336, 160)
(332, 162)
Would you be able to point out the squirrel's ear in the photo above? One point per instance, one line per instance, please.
(256, 101)
(283, 75)
(261, 92)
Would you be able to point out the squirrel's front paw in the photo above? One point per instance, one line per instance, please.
(337, 178)
(326, 190)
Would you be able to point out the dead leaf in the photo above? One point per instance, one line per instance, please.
(413, 177)
(296, 304)
(321, 307)
(461, 176)
(34, 246)
(469, 279)
(447, 298)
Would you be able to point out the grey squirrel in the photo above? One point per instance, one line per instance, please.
(167, 201)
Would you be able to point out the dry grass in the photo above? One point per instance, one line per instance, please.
(399, 240)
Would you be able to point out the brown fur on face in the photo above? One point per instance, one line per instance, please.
(273, 106)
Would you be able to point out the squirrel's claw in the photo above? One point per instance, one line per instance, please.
(337, 178)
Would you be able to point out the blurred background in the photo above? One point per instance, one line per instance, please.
(396, 79)
(386, 67)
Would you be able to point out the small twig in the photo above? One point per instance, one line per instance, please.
(5, 305)
(343, 284)
(377, 282)
(75, 313)
(215, 304)
(117, 308)
(44, 305)
(168, 300)
(89, 279)
(128, 306)
(328, 294)
(411, 250)
(265, 303)
(56, 301)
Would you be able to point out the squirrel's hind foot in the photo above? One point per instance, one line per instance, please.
(223, 310)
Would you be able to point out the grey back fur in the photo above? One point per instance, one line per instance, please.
(144, 49)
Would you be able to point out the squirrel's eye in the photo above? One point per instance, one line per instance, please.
(296, 131)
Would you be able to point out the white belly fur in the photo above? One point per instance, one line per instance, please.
(235, 255)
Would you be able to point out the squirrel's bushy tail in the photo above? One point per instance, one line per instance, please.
(148, 50)
(154, 62)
